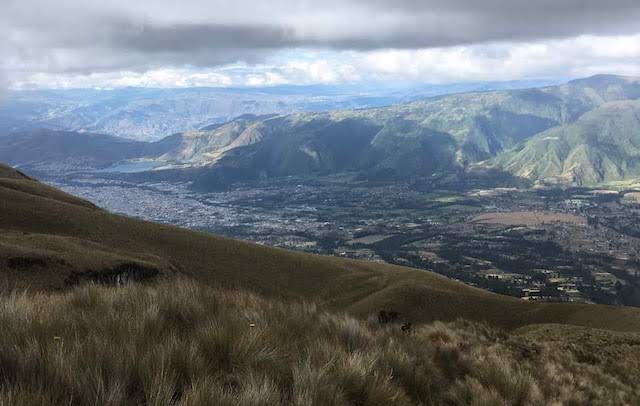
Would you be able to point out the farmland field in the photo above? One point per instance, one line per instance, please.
(528, 218)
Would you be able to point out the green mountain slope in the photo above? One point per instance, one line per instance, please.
(601, 146)
(51, 241)
(439, 135)
(416, 139)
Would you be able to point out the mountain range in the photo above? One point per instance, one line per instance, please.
(149, 114)
(584, 132)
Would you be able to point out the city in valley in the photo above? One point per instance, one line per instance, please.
(540, 244)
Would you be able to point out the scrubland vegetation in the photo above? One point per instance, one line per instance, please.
(181, 343)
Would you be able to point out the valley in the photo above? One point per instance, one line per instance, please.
(531, 193)
(560, 245)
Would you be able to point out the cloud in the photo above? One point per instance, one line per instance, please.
(78, 38)
(568, 58)
(4, 85)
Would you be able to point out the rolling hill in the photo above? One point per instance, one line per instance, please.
(51, 241)
(34, 148)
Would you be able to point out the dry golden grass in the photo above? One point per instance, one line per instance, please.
(181, 343)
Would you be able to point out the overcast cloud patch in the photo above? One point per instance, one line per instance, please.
(74, 37)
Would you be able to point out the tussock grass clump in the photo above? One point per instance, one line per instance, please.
(180, 343)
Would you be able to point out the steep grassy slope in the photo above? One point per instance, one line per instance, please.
(52, 241)
(601, 146)
(7, 172)
(181, 343)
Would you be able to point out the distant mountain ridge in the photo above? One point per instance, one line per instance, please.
(148, 114)
(440, 134)
(82, 150)
(593, 119)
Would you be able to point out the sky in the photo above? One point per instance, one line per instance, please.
(170, 43)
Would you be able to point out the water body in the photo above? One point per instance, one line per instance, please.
(132, 167)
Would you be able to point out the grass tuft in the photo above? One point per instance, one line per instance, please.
(181, 343)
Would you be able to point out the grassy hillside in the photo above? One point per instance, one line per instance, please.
(601, 146)
(50, 241)
(181, 343)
